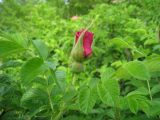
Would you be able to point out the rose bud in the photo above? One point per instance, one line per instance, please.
(82, 48)
(76, 67)
(74, 18)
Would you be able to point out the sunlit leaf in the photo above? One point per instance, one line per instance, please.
(86, 99)
(9, 47)
(137, 70)
(31, 69)
(41, 48)
(108, 91)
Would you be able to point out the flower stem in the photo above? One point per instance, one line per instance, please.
(74, 79)
(61, 112)
(49, 97)
(117, 111)
(149, 89)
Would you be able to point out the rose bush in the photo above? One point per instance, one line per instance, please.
(120, 81)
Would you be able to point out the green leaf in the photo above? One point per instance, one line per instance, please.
(87, 100)
(11, 63)
(154, 109)
(9, 47)
(29, 95)
(11, 43)
(60, 75)
(137, 70)
(41, 48)
(122, 73)
(153, 64)
(133, 104)
(124, 44)
(70, 93)
(144, 105)
(139, 117)
(136, 101)
(19, 39)
(108, 91)
(106, 73)
(120, 43)
(93, 82)
(10, 115)
(32, 95)
(155, 89)
(52, 65)
(40, 109)
(150, 42)
(31, 69)
(104, 95)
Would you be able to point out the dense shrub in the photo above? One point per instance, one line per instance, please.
(120, 80)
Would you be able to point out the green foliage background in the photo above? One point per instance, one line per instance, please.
(121, 80)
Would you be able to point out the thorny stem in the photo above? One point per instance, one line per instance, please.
(74, 79)
(62, 109)
(149, 90)
(50, 101)
(61, 112)
(117, 111)
(117, 114)
(158, 32)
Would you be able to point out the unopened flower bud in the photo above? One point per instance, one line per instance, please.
(82, 47)
(77, 67)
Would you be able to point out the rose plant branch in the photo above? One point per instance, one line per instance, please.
(82, 49)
